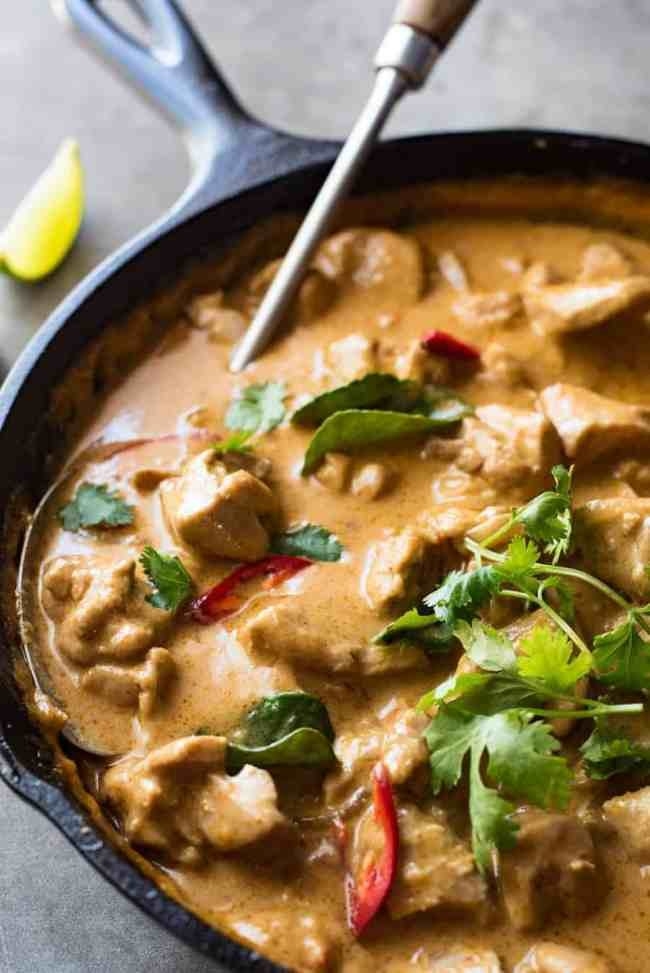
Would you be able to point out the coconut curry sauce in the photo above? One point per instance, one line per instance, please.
(211, 588)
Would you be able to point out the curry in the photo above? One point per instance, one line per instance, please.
(360, 635)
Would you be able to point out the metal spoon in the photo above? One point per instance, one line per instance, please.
(420, 31)
(27, 596)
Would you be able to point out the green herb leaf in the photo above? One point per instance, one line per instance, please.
(622, 657)
(308, 540)
(259, 409)
(354, 429)
(520, 759)
(493, 828)
(304, 748)
(376, 390)
(545, 654)
(172, 584)
(237, 442)
(462, 593)
(490, 649)
(94, 505)
(276, 716)
(458, 598)
(521, 557)
(547, 517)
(497, 692)
(609, 751)
(291, 728)
(412, 624)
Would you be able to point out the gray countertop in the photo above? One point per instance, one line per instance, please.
(302, 65)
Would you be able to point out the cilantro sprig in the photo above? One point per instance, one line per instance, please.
(546, 518)
(94, 505)
(169, 578)
(521, 758)
(492, 724)
(500, 712)
(258, 409)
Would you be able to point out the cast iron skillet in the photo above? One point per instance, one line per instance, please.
(242, 171)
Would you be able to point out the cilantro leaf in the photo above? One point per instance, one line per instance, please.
(521, 758)
(493, 828)
(490, 649)
(94, 505)
(169, 578)
(521, 557)
(308, 540)
(546, 654)
(237, 442)
(458, 598)
(547, 517)
(462, 593)
(609, 751)
(622, 657)
(259, 408)
(497, 692)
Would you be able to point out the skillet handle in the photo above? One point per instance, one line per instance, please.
(174, 71)
(440, 19)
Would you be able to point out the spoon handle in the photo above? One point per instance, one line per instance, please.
(419, 31)
(440, 19)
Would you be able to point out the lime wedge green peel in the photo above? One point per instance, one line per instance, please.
(43, 228)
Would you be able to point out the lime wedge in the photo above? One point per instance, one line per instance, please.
(46, 223)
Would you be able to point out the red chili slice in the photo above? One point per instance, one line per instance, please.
(219, 601)
(444, 344)
(366, 895)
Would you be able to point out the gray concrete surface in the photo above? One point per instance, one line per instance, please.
(302, 65)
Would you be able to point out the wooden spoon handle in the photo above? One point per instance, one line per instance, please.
(440, 19)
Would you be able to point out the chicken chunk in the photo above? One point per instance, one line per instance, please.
(99, 609)
(334, 472)
(561, 308)
(395, 739)
(315, 295)
(219, 513)
(387, 263)
(630, 816)
(591, 425)
(487, 310)
(142, 686)
(401, 566)
(548, 957)
(396, 568)
(154, 679)
(604, 261)
(224, 324)
(465, 959)
(283, 632)
(353, 357)
(179, 801)
(505, 448)
(113, 683)
(613, 537)
(419, 365)
(372, 481)
(435, 869)
(551, 869)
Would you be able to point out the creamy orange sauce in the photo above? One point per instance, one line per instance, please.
(290, 906)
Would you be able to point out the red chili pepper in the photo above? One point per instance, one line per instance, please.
(366, 896)
(444, 344)
(219, 600)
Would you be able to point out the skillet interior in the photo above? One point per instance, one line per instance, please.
(27, 760)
